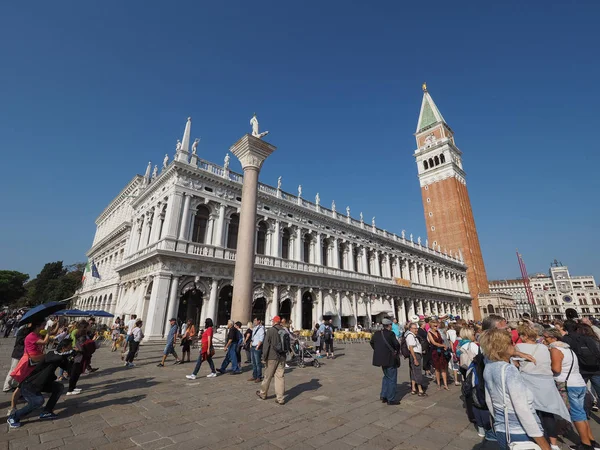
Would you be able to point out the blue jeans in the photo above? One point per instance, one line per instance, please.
(595, 380)
(199, 363)
(388, 383)
(501, 438)
(35, 399)
(231, 357)
(256, 363)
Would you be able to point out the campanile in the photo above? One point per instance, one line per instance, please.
(448, 214)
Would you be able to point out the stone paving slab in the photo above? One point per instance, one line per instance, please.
(333, 407)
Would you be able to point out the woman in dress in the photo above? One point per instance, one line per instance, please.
(206, 351)
(440, 362)
(186, 339)
(539, 380)
(115, 332)
(571, 385)
(506, 394)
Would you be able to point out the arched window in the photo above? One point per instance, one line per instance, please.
(437, 161)
(490, 309)
(431, 162)
(442, 158)
(200, 224)
(342, 260)
(356, 259)
(425, 165)
(285, 244)
(232, 231)
(261, 239)
(325, 252)
(307, 247)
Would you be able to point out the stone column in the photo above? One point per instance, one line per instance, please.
(155, 233)
(355, 308)
(185, 222)
(218, 242)
(338, 305)
(406, 270)
(336, 254)
(369, 316)
(365, 264)
(298, 319)
(275, 302)
(251, 151)
(320, 305)
(171, 225)
(173, 301)
(377, 265)
(350, 266)
(139, 307)
(411, 307)
(318, 249)
(276, 249)
(212, 301)
(298, 247)
(145, 231)
(157, 309)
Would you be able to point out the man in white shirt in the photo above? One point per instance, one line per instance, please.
(258, 337)
(49, 323)
(415, 360)
(130, 327)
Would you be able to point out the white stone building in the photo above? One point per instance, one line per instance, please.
(554, 293)
(165, 247)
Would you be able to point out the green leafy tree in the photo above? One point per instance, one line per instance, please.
(55, 282)
(12, 286)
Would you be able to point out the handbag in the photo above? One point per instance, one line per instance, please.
(526, 445)
(395, 354)
(23, 369)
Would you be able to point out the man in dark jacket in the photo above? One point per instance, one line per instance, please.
(42, 379)
(274, 362)
(386, 349)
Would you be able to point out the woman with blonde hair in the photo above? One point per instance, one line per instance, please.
(506, 394)
(539, 380)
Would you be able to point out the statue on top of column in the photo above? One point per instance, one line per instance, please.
(148, 170)
(195, 146)
(411, 237)
(255, 132)
(279, 183)
(403, 234)
(166, 161)
(333, 206)
(361, 217)
(299, 190)
(226, 162)
(155, 172)
(178, 146)
(317, 199)
(427, 243)
(419, 240)
(347, 211)
(373, 221)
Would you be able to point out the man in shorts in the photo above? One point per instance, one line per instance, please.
(170, 347)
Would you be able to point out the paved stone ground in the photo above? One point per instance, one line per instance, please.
(335, 407)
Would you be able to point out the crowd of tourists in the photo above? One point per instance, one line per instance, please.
(523, 383)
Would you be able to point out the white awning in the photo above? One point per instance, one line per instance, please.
(329, 308)
(381, 306)
(362, 308)
(347, 309)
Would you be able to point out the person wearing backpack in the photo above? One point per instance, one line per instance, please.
(328, 339)
(276, 346)
(587, 348)
(316, 338)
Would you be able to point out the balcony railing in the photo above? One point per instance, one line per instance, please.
(226, 254)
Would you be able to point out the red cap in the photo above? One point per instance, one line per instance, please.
(276, 319)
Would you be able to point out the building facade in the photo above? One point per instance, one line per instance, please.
(498, 303)
(554, 293)
(448, 213)
(166, 247)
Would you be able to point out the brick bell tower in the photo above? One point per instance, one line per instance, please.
(448, 214)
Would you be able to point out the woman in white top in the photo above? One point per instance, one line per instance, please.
(539, 379)
(134, 345)
(506, 395)
(571, 385)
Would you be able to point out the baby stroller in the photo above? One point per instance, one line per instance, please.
(304, 354)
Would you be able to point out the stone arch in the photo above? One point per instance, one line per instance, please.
(261, 237)
(430, 163)
(436, 159)
(425, 165)
(286, 236)
(442, 159)
(285, 308)
(490, 309)
(307, 310)
(190, 283)
(200, 224)
(308, 241)
(224, 305)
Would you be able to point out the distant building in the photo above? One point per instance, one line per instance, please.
(554, 293)
(498, 303)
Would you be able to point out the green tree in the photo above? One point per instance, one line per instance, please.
(12, 286)
(55, 282)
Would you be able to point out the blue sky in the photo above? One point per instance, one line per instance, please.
(90, 91)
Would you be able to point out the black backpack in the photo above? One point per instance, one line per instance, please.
(283, 345)
(328, 333)
(315, 335)
(587, 350)
(474, 386)
(404, 347)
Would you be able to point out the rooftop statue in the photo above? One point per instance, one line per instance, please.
(279, 183)
(226, 163)
(361, 217)
(348, 211)
(333, 206)
(166, 161)
(317, 199)
(148, 170)
(195, 146)
(178, 146)
(155, 172)
(299, 190)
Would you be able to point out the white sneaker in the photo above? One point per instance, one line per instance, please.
(287, 366)
(77, 390)
(191, 377)
(554, 447)
(211, 375)
(480, 432)
(73, 392)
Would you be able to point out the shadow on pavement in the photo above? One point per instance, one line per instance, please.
(311, 385)
(72, 409)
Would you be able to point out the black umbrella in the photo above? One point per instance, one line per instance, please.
(40, 312)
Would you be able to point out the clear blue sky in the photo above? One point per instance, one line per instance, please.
(90, 91)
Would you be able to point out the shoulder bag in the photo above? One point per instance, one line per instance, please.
(527, 445)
